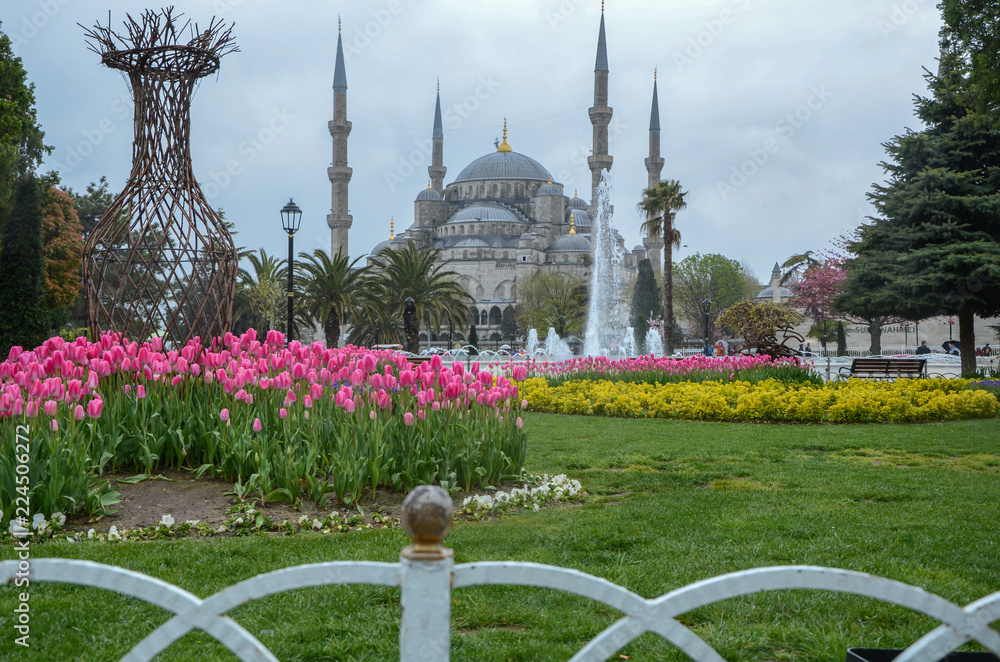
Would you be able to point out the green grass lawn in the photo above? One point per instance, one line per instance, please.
(671, 502)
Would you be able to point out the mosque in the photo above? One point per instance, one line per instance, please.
(502, 219)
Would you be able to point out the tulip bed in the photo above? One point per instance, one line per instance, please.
(280, 420)
(665, 370)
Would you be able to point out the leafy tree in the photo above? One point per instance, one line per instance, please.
(661, 203)
(935, 248)
(62, 247)
(329, 288)
(760, 323)
(646, 301)
(555, 300)
(23, 319)
(820, 285)
(21, 137)
(824, 331)
(841, 339)
(714, 277)
(508, 323)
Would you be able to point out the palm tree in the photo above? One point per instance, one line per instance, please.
(260, 292)
(794, 264)
(329, 289)
(411, 273)
(661, 203)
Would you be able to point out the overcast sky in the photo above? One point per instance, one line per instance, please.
(798, 94)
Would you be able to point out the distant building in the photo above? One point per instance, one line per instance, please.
(502, 219)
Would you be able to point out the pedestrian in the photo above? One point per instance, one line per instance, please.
(987, 350)
(923, 349)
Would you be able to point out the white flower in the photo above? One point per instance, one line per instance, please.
(222, 529)
(537, 508)
(317, 524)
(113, 533)
(238, 521)
(167, 520)
(38, 522)
(70, 539)
(303, 520)
(17, 530)
(90, 534)
(250, 512)
(58, 519)
(193, 522)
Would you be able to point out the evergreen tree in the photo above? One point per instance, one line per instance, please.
(646, 301)
(841, 339)
(23, 320)
(935, 250)
(473, 340)
(508, 325)
(21, 146)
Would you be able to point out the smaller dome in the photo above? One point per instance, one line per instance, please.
(429, 194)
(472, 242)
(549, 189)
(379, 247)
(638, 248)
(486, 213)
(525, 236)
(576, 203)
(768, 293)
(570, 243)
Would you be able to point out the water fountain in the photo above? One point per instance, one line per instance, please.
(607, 305)
(556, 346)
(627, 346)
(654, 344)
(532, 345)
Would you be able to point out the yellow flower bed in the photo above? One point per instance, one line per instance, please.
(855, 401)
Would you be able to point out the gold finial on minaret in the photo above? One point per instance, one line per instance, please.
(439, 83)
(550, 179)
(654, 73)
(428, 184)
(602, 6)
(572, 223)
(392, 228)
(504, 147)
(576, 194)
(340, 24)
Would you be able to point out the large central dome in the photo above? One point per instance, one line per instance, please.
(504, 165)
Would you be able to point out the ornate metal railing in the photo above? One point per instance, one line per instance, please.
(427, 575)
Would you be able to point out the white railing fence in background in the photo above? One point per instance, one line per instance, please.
(426, 576)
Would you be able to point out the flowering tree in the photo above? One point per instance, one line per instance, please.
(62, 245)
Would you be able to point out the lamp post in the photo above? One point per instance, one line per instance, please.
(706, 307)
(512, 344)
(562, 325)
(291, 217)
(951, 322)
(409, 322)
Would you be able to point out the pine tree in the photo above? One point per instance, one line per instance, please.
(23, 320)
(646, 301)
(935, 250)
(841, 339)
(474, 340)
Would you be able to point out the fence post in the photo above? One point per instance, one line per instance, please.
(425, 577)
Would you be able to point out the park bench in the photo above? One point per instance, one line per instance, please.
(883, 368)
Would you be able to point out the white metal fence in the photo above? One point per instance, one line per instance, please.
(427, 575)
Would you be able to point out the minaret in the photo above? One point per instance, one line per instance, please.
(654, 166)
(437, 170)
(600, 117)
(340, 175)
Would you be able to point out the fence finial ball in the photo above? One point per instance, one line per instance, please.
(427, 515)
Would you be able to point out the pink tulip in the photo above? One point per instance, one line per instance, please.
(371, 414)
(420, 414)
(348, 406)
(408, 418)
(31, 411)
(224, 414)
(257, 425)
(79, 414)
(54, 425)
(307, 402)
(94, 408)
(50, 407)
(519, 423)
(524, 404)
(282, 413)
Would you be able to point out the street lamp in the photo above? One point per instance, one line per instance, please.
(512, 343)
(411, 327)
(291, 217)
(951, 322)
(706, 307)
(562, 325)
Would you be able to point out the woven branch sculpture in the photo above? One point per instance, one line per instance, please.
(161, 261)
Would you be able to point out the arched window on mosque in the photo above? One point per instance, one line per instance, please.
(520, 190)
(482, 190)
(501, 292)
(465, 255)
(479, 294)
(461, 229)
(513, 291)
(495, 316)
(458, 194)
(496, 191)
(484, 320)
(508, 192)
(505, 255)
